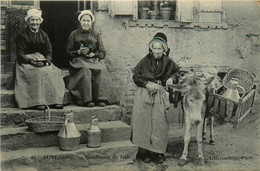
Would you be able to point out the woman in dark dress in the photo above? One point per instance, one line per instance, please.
(37, 82)
(151, 75)
(90, 82)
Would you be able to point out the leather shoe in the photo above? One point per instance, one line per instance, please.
(147, 159)
(102, 104)
(40, 107)
(160, 159)
(58, 106)
(90, 104)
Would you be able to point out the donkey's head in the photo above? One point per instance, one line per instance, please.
(194, 96)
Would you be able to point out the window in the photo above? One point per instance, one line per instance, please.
(171, 13)
(157, 10)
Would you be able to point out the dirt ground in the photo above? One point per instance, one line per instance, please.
(235, 149)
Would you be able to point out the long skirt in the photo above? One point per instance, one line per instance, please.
(149, 125)
(38, 85)
(90, 81)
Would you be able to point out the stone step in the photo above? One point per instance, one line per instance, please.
(8, 98)
(15, 117)
(51, 158)
(7, 81)
(21, 138)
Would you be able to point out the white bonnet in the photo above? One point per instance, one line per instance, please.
(86, 12)
(34, 13)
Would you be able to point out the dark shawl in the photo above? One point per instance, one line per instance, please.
(28, 42)
(151, 69)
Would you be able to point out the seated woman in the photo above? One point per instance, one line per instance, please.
(37, 82)
(89, 82)
(151, 74)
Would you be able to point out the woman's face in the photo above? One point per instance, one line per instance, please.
(157, 50)
(34, 23)
(86, 22)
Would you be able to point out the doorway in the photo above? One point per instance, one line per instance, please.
(60, 19)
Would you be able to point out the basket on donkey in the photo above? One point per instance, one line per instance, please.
(244, 78)
(46, 123)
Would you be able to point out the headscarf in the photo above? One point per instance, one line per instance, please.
(161, 38)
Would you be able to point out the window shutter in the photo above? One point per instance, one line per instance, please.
(123, 7)
(210, 11)
(184, 10)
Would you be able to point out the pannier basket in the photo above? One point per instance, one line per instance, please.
(46, 123)
(244, 78)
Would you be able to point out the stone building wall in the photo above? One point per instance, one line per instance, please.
(238, 46)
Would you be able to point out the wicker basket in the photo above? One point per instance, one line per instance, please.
(45, 124)
(245, 79)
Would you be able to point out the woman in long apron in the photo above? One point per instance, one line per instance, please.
(90, 84)
(37, 81)
(151, 75)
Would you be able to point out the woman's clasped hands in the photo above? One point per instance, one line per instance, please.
(85, 51)
(152, 87)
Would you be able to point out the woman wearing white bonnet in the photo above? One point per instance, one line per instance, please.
(90, 83)
(37, 82)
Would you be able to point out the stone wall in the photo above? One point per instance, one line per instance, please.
(238, 46)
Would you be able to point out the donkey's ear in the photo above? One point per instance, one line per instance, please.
(180, 87)
(208, 80)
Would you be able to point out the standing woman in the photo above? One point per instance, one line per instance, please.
(37, 82)
(89, 82)
(151, 75)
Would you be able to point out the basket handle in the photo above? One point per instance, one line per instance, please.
(65, 126)
(49, 112)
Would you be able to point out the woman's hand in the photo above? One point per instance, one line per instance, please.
(84, 51)
(152, 87)
(37, 64)
(91, 55)
(168, 82)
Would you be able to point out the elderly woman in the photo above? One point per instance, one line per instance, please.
(90, 83)
(151, 74)
(37, 82)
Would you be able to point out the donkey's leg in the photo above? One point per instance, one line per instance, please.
(204, 130)
(199, 142)
(212, 138)
(187, 136)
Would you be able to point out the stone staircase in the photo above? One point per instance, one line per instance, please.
(22, 149)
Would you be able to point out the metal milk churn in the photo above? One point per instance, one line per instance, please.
(232, 92)
(69, 136)
(94, 134)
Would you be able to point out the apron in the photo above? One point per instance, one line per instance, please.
(149, 125)
(38, 85)
(90, 81)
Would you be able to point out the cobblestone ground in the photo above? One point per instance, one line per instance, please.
(235, 149)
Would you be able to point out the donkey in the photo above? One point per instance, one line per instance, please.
(193, 100)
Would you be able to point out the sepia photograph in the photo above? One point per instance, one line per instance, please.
(111, 85)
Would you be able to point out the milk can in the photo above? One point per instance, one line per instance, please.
(94, 134)
(69, 136)
(232, 92)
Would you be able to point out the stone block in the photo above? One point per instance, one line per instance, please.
(82, 115)
(22, 138)
(51, 158)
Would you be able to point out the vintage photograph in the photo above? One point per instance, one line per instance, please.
(130, 85)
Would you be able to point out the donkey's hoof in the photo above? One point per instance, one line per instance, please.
(212, 142)
(201, 161)
(182, 162)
